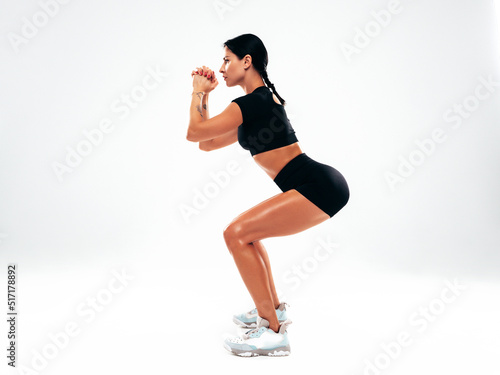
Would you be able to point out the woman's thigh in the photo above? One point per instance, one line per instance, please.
(281, 215)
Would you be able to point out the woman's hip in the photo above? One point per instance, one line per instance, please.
(320, 183)
(303, 169)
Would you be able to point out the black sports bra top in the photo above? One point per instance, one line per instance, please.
(265, 124)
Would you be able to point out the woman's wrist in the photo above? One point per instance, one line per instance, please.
(204, 92)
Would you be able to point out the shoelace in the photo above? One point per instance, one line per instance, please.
(247, 334)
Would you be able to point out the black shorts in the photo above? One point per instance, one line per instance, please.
(322, 184)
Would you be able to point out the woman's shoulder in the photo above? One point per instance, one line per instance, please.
(257, 97)
(256, 104)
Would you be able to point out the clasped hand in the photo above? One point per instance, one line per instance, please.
(204, 79)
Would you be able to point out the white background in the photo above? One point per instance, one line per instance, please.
(121, 208)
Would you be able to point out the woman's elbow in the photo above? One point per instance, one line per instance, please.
(190, 136)
(205, 146)
(192, 133)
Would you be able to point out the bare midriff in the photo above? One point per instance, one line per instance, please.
(273, 161)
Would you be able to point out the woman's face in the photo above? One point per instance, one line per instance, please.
(232, 68)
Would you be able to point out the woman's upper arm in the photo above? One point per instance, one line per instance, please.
(221, 141)
(228, 120)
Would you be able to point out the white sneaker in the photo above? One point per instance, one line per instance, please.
(261, 341)
(249, 319)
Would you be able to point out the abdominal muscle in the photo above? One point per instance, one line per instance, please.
(273, 161)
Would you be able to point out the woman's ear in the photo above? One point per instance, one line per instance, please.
(247, 61)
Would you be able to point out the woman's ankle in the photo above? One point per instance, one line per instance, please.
(275, 329)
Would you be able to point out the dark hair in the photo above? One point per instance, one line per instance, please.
(249, 44)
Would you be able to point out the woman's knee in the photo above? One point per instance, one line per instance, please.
(233, 234)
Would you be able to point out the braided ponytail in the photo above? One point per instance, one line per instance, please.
(271, 86)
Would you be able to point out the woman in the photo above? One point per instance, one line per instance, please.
(312, 192)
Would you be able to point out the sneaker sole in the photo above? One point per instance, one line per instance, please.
(276, 352)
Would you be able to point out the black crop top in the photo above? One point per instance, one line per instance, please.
(265, 124)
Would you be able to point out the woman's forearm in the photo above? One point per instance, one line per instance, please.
(203, 145)
(204, 106)
(198, 111)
